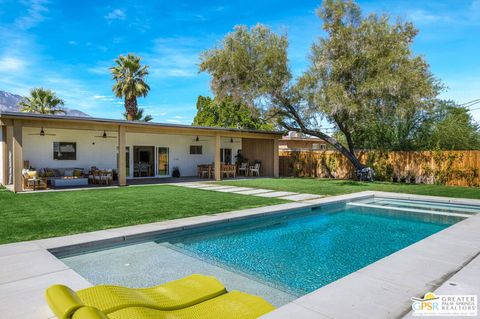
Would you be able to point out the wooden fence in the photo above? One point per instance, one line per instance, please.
(460, 168)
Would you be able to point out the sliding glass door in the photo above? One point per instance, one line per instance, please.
(143, 161)
(163, 162)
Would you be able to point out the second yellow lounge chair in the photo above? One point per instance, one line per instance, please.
(232, 305)
(173, 295)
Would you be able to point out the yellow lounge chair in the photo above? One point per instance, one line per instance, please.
(233, 305)
(173, 295)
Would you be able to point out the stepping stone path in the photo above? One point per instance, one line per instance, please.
(260, 192)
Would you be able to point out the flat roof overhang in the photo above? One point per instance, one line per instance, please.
(100, 124)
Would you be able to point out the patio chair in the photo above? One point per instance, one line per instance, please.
(243, 168)
(31, 180)
(97, 176)
(203, 171)
(106, 177)
(255, 169)
(228, 170)
(143, 168)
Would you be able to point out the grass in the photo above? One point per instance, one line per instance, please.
(42, 215)
(338, 187)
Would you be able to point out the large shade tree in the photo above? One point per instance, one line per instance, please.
(228, 113)
(363, 71)
(129, 76)
(449, 127)
(42, 101)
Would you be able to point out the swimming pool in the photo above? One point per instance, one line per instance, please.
(287, 254)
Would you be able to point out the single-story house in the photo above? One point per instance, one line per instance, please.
(297, 141)
(61, 142)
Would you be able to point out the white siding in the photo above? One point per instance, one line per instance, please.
(99, 152)
(179, 148)
(91, 151)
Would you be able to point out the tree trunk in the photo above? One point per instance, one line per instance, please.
(363, 172)
(339, 147)
(131, 108)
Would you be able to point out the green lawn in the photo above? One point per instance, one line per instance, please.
(338, 187)
(42, 215)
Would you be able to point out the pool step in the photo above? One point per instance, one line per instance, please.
(425, 204)
(415, 210)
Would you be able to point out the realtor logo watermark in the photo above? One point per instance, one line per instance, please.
(445, 305)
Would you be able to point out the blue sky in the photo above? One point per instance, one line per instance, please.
(68, 46)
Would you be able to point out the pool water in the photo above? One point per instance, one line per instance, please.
(280, 256)
(305, 253)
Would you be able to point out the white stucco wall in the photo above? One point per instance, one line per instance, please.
(179, 149)
(39, 149)
(102, 154)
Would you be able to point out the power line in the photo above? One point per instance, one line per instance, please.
(471, 103)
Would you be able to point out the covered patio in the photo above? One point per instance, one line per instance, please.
(75, 152)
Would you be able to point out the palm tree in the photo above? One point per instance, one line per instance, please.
(42, 101)
(129, 75)
(139, 116)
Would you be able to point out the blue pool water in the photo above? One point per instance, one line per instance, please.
(279, 256)
(305, 253)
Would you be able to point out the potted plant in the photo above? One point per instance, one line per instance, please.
(176, 171)
(239, 158)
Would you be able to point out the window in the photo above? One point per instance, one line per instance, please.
(226, 155)
(196, 149)
(65, 151)
(323, 147)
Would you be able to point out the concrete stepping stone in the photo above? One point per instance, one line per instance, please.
(233, 189)
(192, 185)
(301, 197)
(254, 191)
(214, 188)
(275, 194)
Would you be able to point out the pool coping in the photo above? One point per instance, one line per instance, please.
(382, 289)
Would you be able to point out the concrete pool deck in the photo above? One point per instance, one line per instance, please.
(380, 290)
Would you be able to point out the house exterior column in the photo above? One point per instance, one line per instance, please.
(4, 159)
(17, 156)
(122, 162)
(275, 158)
(9, 154)
(217, 158)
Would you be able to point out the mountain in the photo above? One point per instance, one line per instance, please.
(9, 103)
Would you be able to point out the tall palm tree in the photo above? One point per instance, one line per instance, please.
(139, 116)
(129, 76)
(42, 101)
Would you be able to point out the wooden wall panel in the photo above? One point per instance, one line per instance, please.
(458, 168)
(260, 150)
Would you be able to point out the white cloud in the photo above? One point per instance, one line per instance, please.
(10, 63)
(105, 98)
(116, 14)
(36, 10)
(420, 16)
(102, 68)
(174, 57)
(71, 42)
